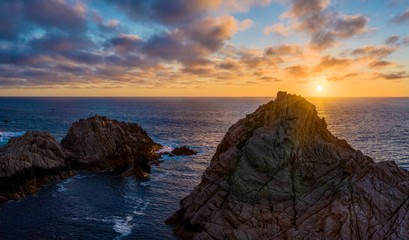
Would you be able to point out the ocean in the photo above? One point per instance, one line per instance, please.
(104, 206)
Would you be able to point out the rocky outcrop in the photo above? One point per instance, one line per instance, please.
(98, 143)
(29, 161)
(183, 151)
(280, 174)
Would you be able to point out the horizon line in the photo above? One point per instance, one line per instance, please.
(68, 96)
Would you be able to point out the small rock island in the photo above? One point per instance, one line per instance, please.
(280, 174)
(94, 144)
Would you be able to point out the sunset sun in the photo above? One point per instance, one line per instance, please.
(319, 88)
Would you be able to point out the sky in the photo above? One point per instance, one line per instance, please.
(241, 48)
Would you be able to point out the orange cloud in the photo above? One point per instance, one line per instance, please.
(331, 62)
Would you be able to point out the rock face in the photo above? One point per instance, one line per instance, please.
(98, 143)
(29, 161)
(183, 151)
(280, 174)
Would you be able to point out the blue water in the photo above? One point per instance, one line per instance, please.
(103, 206)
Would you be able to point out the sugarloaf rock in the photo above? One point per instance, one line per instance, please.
(99, 143)
(280, 174)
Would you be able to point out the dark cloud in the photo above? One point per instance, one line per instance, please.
(403, 17)
(173, 12)
(392, 40)
(58, 14)
(22, 16)
(374, 51)
(10, 19)
(285, 49)
(228, 65)
(126, 43)
(379, 64)
(394, 75)
(326, 28)
(57, 43)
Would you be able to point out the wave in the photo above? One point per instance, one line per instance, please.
(123, 226)
(5, 136)
(140, 208)
(165, 149)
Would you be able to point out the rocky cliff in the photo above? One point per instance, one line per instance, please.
(280, 174)
(99, 143)
(29, 161)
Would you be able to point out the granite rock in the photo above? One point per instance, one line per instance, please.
(280, 174)
(29, 161)
(99, 143)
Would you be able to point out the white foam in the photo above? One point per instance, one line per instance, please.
(123, 226)
(165, 149)
(5, 136)
(140, 208)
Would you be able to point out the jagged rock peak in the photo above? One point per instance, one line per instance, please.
(280, 174)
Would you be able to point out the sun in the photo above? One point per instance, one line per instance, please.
(319, 88)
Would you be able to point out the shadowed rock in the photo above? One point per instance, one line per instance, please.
(280, 174)
(98, 143)
(183, 151)
(29, 161)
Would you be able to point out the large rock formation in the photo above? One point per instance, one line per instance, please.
(98, 143)
(280, 174)
(29, 161)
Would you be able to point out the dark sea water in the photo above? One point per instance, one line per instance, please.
(103, 206)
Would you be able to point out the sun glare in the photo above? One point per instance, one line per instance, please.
(319, 88)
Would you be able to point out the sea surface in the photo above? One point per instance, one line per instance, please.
(104, 206)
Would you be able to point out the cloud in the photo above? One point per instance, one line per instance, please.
(394, 75)
(405, 41)
(403, 17)
(20, 17)
(57, 13)
(10, 20)
(346, 76)
(245, 24)
(125, 43)
(298, 71)
(331, 62)
(374, 51)
(68, 44)
(392, 40)
(174, 12)
(279, 29)
(380, 64)
(325, 28)
(283, 50)
(242, 5)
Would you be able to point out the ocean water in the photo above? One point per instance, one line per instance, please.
(103, 206)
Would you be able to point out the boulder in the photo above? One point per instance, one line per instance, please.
(102, 144)
(280, 174)
(183, 151)
(29, 161)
